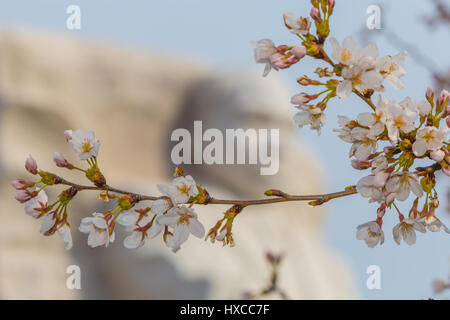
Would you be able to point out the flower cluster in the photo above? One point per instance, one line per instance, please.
(387, 140)
(168, 214)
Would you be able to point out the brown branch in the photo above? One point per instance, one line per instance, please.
(365, 99)
(281, 196)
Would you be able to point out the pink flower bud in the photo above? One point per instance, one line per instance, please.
(20, 184)
(447, 120)
(437, 155)
(315, 14)
(292, 60)
(361, 164)
(279, 61)
(59, 160)
(299, 51)
(68, 135)
(31, 165)
(282, 48)
(381, 210)
(430, 93)
(445, 95)
(22, 196)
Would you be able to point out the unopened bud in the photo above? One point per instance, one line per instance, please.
(24, 195)
(60, 161)
(430, 94)
(31, 165)
(360, 164)
(305, 81)
(315, 14)
(299, 51)
(20, 184)
(437, 155)
(68, 135)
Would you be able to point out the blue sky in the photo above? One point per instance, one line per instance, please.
(219, 32)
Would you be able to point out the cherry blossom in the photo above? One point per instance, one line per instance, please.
(346, 53)
(98, 230)
(84, 144)
(368, 187)
(297, 25)
(429, 138)
(37, 205)
(364, 145)
(264, 49)
(184, 222)
(311, 116)
(359, 77)
(399, 119)
(65, 235)
(181, 190)
(406, 229)
(433, 224)
(48, 221)
(391, 68)
(371, 233)
(402, 184)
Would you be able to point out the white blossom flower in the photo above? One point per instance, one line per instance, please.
(138, 232)
(184, 222)
(138, 223)
(429, 138)
(433, 224)
(172, 243)
(160, 206)
(368, 187)
(371, 233)
(373, 121)
(424, 108)
(391, 68)
(297, 25)
(264, 49)
(348, 54)
(379, 163)
(364, 145)
(399, 119)
(65, 235)
(128, 218)
(402, 184)
(98, 230)
(35, 206)
(360, 77)
(312, 116)
(345, 132)
(181, 190)
(406, 229)
(48, 222)
(84, 144)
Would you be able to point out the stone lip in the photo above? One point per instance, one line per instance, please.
(50, 83)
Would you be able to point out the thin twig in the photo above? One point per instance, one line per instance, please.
(319, 198)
